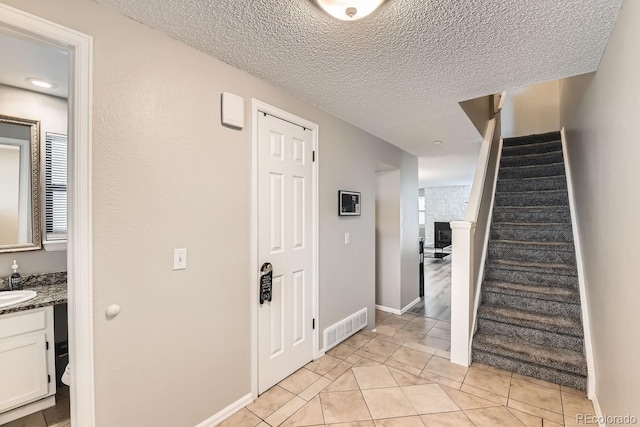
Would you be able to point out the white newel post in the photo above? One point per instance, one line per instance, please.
(462, 295)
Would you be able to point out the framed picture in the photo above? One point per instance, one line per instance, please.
(348, 203)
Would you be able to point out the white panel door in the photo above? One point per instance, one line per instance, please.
(285, 240)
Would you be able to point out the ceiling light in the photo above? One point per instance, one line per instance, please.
(41, 83)
(437, 142)
(349, 10)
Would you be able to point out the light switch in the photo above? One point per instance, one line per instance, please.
(180, 259)
(347, 238)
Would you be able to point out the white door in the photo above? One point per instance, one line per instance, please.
(285, 224)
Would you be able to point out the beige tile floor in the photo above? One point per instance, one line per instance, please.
(401, 377)
(56, 416)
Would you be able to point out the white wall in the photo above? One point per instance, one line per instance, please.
(410, 256)
(166, 174)
(388, 277)
(51, 111)
(601, 114)
(444, 204)
(530, 110)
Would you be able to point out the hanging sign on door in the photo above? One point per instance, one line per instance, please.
(266, 279)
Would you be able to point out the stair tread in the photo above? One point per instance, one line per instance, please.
(507, 148)
(559, 190)
(543, 322)
(560, 359)
(507, 224)
(545, 165)
(562, 207)
(550, 293)
(532, 244)
(514, 265)
(532, 177)
(545, 136)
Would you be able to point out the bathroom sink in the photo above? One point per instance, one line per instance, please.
(14, 297)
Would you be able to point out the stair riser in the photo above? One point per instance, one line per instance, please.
(543, 373)
(531, 139)
(537, 215)
(531, 278)
(537, 159)
(534, 336)
(547, 233)
(537, 184)
(531, 171)
(548, 326)
(508, 151)
(532, 198)
(528, 255)
(531, 304)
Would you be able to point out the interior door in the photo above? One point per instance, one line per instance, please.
(285, 240)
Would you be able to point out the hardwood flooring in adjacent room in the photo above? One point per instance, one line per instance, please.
(436, 302)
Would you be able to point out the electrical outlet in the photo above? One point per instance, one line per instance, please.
(347, 238)
(180, 259)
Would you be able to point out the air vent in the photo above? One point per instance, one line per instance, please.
(342, 330)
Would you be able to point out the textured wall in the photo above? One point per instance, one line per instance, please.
(52, 113)
(600, 113)
(444, 204)
(166, 174)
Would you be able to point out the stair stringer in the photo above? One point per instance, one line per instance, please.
(480, 278)
(584, 306)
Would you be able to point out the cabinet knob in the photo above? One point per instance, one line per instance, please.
(112, 310)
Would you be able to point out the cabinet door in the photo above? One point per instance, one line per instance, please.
(23, 370)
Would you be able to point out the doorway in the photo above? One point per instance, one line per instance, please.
(79, 278)
(285, 245)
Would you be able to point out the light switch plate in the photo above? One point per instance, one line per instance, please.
(180, 259)
(347, 238)
(232, 110)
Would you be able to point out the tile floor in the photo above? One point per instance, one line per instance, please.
(56, 416)
(401, 377)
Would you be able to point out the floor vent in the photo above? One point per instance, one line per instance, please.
(342, 330)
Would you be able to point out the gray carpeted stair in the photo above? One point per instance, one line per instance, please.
(529, 319)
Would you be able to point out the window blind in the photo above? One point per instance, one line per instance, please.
(56, 186)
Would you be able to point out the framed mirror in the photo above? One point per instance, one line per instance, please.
(19, 184)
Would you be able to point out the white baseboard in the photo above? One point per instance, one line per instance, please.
(320, 352)
(216, 419)
(387, 309)
(411, 304)
(596, 406)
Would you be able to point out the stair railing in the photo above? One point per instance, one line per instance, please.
(469, 243)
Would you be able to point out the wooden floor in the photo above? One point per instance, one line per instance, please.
(436, 302)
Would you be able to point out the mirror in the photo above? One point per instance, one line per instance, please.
(19, 184)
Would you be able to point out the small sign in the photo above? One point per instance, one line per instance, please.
(266, 281)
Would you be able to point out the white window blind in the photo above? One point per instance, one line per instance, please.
(56, 186)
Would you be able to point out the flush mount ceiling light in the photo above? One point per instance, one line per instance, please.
(349, 10)
(41, 83)
(438, 142)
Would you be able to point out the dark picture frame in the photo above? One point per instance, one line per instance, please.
(348, 203)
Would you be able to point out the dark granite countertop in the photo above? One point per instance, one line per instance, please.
(47, 293)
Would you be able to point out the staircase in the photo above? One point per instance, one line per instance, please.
(529, 316)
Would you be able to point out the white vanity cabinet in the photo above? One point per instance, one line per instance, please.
(27, 365)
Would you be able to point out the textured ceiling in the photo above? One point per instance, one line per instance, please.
(400, 72)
